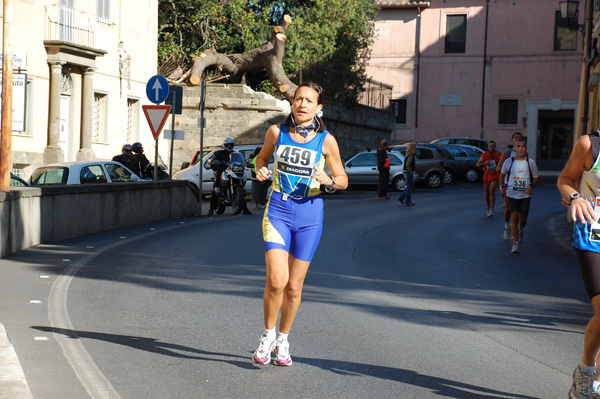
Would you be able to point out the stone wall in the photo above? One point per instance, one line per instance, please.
(30, 215)
(235, 110)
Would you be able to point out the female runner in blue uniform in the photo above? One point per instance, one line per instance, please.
(579, 185)
(293, 219)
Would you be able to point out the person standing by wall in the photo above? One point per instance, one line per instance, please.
(139, 164)
(410, 165)
(579, 184)
(383, 166)
(125, 156)
(489, 160)
(293, 220)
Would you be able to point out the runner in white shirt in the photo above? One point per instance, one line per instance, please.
(517, 179)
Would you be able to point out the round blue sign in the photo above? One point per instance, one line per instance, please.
(157, 89)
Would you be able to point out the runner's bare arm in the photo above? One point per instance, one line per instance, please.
(579, 161)
(334, 160)
(262, 161)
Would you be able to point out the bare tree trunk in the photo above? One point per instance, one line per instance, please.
(269, 56)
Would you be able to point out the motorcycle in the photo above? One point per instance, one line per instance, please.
(233, 181)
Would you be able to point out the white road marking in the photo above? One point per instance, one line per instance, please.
(88, 373)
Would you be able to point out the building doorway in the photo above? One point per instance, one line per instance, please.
(555, 139)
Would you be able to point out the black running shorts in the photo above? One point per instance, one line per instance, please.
(589, 265)
(519, 205)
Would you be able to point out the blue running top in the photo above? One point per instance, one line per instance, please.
(295, 163)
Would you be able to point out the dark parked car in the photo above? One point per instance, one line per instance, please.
(430, 167)
(450, 166)
(479, 143)
(466, 157)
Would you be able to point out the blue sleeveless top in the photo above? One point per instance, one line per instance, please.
(295, 163)
(584, 236)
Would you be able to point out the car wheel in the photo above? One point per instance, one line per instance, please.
(399, 183)
(434, 180)
(448, 177)
(472, 175)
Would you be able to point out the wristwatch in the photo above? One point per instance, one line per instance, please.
(574, 196)
(333, 182)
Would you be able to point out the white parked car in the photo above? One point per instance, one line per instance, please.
(192, 173)
(362, 169)
(82, 172)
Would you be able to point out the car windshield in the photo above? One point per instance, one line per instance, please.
(118, 173)
(50, 176)
(365, 159)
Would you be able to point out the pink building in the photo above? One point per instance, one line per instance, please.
(481, 68)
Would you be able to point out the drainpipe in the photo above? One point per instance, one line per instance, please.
(418, 59)
(487, 12)
(589, 27)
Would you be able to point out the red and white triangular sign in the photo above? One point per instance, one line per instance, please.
(156, 115)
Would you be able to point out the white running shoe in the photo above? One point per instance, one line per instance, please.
(265, 347)
(515, 248)
(582, 385)
(491, 211)
(282, 354)
(506, 234)
(520, 236)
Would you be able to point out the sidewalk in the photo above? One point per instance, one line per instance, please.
(13, 384)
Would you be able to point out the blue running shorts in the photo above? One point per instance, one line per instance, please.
(294, 225)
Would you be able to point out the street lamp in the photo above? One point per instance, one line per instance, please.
(568, 8)
(568, 11)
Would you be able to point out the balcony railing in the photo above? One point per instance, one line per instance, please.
(77, 27)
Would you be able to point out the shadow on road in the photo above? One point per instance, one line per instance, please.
(441, 386)
(152, 345)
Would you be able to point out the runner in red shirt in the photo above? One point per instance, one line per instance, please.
(488, 161)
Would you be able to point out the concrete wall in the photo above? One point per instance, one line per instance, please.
(235, 110)
(32, 216)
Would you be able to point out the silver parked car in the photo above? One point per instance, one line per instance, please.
(82, 172)
(362, 169)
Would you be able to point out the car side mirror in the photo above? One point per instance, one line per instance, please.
(208, 164)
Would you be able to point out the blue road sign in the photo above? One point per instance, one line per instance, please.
(157, 89)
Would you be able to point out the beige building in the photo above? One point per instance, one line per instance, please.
(86, 64)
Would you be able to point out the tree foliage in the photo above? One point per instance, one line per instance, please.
(324, 35)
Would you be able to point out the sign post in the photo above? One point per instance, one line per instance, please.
(175, 100)
(157, 91)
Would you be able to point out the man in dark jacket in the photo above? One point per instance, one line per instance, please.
(138, 163)
(384, 171)
(125, 156)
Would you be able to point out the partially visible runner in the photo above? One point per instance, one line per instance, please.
(293, 220)
(579, 185)
(507, 154)
(518, 177)
(489, 160)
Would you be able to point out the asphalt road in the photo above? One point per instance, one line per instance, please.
(421, 302)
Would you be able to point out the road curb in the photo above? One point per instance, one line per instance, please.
(13, 383)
